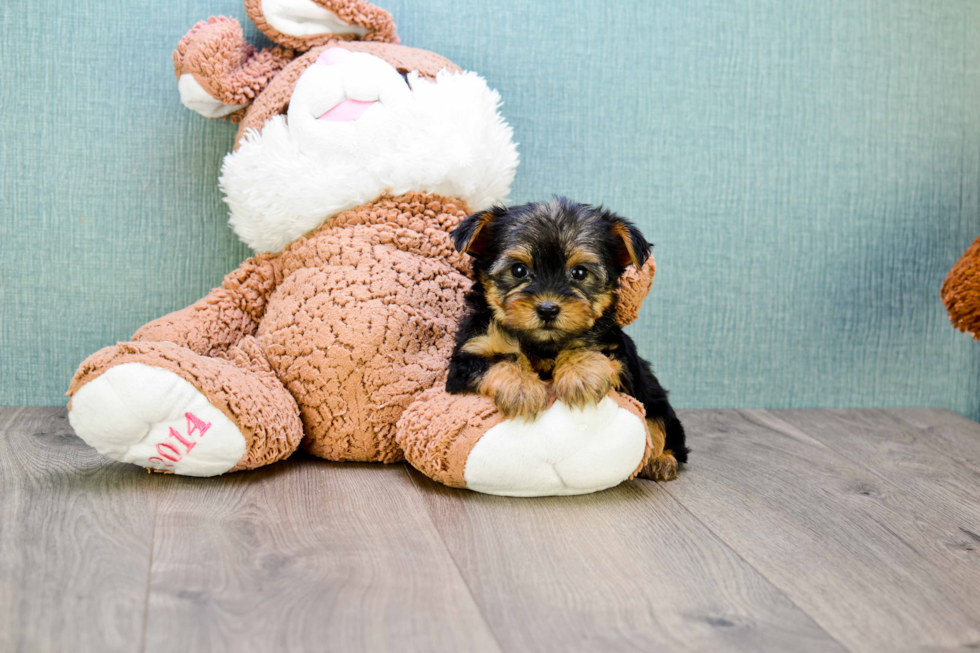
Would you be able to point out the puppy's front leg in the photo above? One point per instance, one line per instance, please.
(583, 376)
(515, 388)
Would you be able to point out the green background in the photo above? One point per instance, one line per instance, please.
(809, 171)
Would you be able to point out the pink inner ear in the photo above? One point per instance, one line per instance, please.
(333, 56)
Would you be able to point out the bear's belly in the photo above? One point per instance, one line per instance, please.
(356, 344)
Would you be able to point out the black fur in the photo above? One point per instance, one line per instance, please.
(549, 233)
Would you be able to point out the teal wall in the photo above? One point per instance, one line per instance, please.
(807, 170)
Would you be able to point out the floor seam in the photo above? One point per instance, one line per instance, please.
(665, 487)
(469, 590)
(768, 580)
(149, 570)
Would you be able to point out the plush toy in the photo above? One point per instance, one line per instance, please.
(961, 291)
(355, 159)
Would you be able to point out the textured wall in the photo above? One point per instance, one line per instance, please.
(807, 170)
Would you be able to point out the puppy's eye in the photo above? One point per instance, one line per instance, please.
(579, 273)
(519, 270)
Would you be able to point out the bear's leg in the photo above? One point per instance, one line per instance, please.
(462, 441)
(164, 407)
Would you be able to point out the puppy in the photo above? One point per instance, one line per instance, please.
(541, 316)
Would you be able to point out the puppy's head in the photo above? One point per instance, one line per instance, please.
(551, 270)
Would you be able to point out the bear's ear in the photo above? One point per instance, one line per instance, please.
(305, 24)
(630, 245)
(472, 236)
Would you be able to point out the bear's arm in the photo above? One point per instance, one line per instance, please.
(219, 74)
(226, 315)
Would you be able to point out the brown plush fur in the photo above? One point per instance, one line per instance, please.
(225, 65)
(961, 291)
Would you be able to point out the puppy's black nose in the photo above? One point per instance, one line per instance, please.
(548, 311)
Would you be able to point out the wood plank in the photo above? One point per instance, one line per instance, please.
(932, 464)
(75, 539)
(305, 555)
(842, 543)
(627, 569)
(951, 433)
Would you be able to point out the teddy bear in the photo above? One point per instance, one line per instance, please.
(355, 159)
(961, 291)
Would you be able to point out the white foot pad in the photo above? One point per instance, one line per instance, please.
(562, 452)
(150, 417)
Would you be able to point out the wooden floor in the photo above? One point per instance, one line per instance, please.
(852, 530)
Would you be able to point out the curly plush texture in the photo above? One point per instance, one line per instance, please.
(355, 320)
(961, 291)
(224, 64)
(364, 319)
(634, 286)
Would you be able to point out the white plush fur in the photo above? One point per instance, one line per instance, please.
(305, 18)
(130, 409)
(563, 452)
(443, 137)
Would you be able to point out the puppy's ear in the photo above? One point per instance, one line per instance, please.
(631, 246)
(472, 235)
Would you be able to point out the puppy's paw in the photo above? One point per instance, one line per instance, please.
(661, 468)
(583, 377)
(518, 392)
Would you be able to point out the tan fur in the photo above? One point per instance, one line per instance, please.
(519, 253)
(661, 468)
(623, 233)
(581, 255)
(515, 389)
(494, 298)
(661, 465)
(496, 342)
(600, 304)
(472, 246)
(584, 376)
(520, 312)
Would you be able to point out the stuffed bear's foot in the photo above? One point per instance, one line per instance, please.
(463, 441)
(167, 408)
(150, 417)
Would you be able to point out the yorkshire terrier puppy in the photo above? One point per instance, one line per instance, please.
(541, 316)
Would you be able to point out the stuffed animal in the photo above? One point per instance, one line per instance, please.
(355, 159)
(961, 291)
